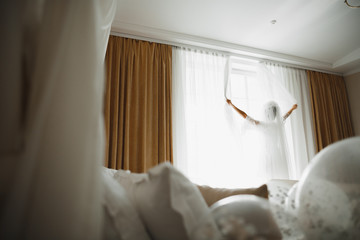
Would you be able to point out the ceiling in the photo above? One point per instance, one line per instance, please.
(316, 34)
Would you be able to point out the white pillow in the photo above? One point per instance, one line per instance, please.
(108, 171)
(124, 217)
(171, 206)
(127, 179)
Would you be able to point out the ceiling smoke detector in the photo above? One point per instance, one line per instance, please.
(273, 21)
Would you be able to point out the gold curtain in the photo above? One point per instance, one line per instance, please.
(330, 107)
(138, 104)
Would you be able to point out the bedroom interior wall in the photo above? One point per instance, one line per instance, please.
(353, 86)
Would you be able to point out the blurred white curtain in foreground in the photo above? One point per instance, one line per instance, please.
(299, 128)
(54, 56)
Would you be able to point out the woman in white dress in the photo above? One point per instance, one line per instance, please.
(275, 141)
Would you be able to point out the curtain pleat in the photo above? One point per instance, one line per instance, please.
(330, 107)
(138, 104)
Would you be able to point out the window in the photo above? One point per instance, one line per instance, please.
(213, 145)
(244, 90)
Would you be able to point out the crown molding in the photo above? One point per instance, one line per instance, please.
(184, 40)
(351, 72)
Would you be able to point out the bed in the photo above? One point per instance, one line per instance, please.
(164, 204)
(275, 192)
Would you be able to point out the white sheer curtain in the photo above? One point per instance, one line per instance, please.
(54, 87)
(286, 86)
(215, 146)
(299, 128)
(206, 149)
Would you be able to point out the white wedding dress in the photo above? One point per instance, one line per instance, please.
(276, 150)
(270, 148)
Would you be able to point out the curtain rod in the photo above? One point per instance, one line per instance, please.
(226, 53)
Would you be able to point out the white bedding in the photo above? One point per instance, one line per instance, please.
(278, 190)
(327, 199)
(278, 193)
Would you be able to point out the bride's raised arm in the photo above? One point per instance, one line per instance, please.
(289, 112)
(242, 113)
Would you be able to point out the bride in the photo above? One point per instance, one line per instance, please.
(275, 142)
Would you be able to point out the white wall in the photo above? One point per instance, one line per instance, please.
(353, 87)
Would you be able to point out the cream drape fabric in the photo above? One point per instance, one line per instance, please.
(330, 108)
(138, 104)
(55, 110)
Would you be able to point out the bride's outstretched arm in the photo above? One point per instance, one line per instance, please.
(290, 111)
(241, 112)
